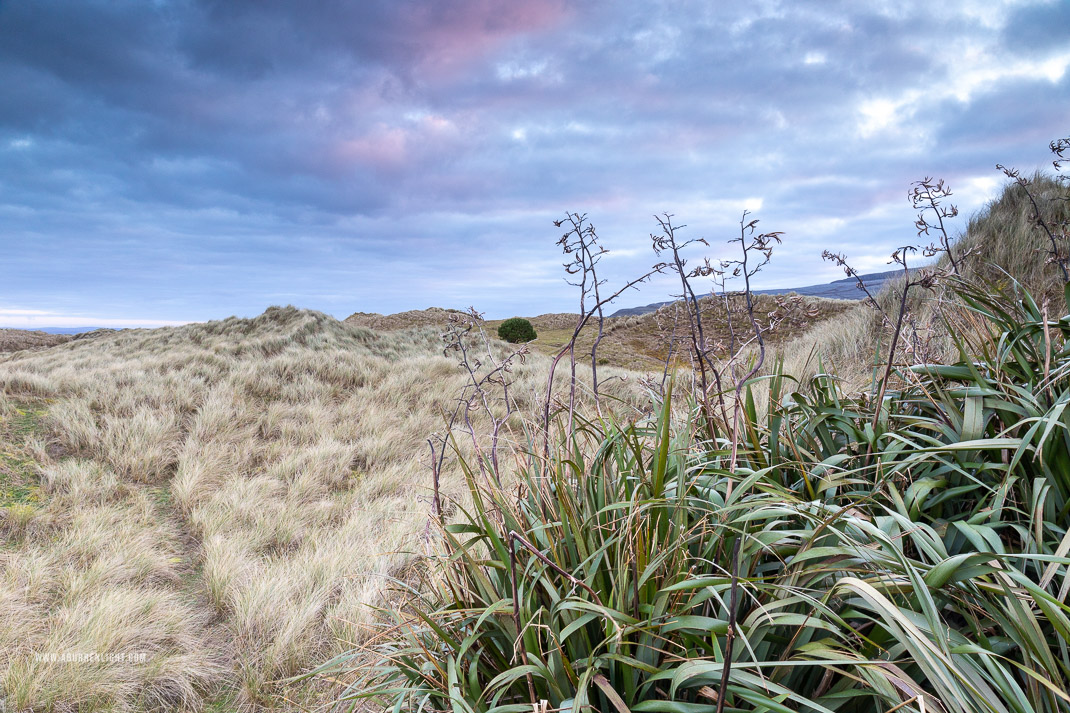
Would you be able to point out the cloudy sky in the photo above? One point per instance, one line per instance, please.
(188, 160)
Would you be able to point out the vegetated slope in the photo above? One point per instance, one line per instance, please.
(642, 342)
(439, 317)
(430, 317)
(850, 554)
(222, 498)
(13, 340)
(1007, 243)
(1002, 244)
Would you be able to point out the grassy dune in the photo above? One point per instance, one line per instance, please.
(13, 340)
(1003, 245)
(225, 498)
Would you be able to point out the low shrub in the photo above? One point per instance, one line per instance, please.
(516, 330)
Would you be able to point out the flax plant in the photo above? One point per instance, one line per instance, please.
(915, 561)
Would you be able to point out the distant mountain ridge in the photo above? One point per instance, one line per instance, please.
(845, 289)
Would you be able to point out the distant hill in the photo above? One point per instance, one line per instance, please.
(845, 289)
(635, 340)
(13, 340)
(432, 316)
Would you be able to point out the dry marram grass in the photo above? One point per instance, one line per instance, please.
(226, 498)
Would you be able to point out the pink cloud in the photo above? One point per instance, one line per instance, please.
(383, 148)
(453, 35)
(390, 147)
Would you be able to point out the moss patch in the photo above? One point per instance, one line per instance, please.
(20, 481)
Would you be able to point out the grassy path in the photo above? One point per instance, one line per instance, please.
(98, 584)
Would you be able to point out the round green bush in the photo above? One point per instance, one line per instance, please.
(516, 330)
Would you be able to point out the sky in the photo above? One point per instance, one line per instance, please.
(186, 160)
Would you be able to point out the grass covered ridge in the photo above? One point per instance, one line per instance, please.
(642, 342)
(13, 340)
(224, 498)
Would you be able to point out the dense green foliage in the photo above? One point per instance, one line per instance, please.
(516, 330)
(908, 555)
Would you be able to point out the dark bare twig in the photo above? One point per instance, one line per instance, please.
(924, 279)
(750, 241)
(672, 342)
(731, 635)
(927, 195)
(1056, 255)
(436, 473)
(476, 394)
(515, 537)
(570, 347)
(841, 260)
(516, 618)
(720, 280)
(1060, 147)
(581, 242)
(668, 242)
(436, 501)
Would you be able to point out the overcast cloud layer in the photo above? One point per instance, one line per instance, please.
(189, 160)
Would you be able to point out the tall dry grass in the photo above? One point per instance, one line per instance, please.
(1003, 245)
(226, 498)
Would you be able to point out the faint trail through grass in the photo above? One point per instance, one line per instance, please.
(19, 479)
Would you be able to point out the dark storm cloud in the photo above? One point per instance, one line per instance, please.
(185, 160)
(1038, 28)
